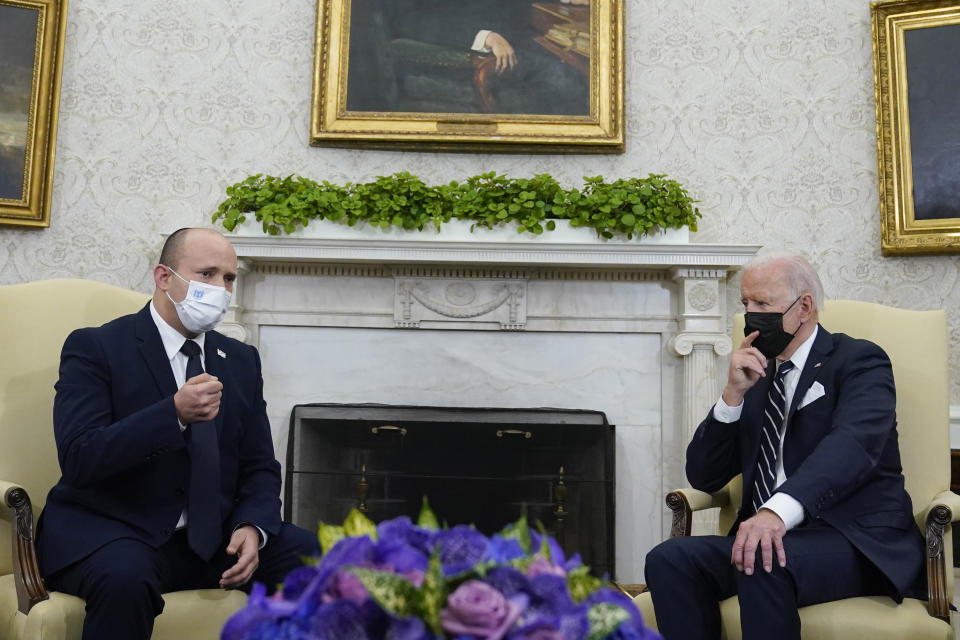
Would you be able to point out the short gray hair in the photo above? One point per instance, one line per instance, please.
(801, 276)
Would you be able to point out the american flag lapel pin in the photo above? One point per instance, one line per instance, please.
(223, 355)
(814, 366)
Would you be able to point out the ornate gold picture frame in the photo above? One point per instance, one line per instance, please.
(427, 75)
(916, 46)
(31, 55)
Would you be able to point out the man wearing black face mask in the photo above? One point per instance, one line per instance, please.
(808, 418)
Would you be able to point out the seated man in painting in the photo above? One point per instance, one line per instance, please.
(526, 78)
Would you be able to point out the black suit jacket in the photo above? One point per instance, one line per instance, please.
(123, 458)
(841, 456)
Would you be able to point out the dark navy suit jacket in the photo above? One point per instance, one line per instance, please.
(841, 456)
(123, 458)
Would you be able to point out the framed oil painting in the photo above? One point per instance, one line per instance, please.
(31, 52)
(469, 75)
(917, 84)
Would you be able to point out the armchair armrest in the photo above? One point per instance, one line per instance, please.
(942, 510)
(683, 502)
(26, 569)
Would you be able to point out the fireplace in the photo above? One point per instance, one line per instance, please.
(635, 331)
(479, 466)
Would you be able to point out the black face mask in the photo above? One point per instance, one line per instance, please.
(772, 339)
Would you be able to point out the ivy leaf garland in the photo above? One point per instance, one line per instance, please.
(624, 207)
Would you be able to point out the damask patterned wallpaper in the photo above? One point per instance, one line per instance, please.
(763, 109)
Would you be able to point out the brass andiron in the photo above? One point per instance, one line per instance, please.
(560, 512)
(362, 489)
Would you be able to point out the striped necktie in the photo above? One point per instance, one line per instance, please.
(774, 412)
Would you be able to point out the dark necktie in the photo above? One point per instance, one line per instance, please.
(766, 478)
(203, 498)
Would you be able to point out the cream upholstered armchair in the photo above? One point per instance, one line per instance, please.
(35, 318)
(916, 342)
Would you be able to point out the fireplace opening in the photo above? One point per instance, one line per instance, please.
(479, 466)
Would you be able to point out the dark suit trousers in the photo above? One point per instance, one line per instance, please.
(688, 577)
(122, 581)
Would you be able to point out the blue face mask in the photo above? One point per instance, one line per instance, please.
(772, 339)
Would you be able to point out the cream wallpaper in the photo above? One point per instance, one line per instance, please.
(763, 109)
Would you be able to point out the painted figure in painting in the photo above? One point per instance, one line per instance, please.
(18, 37)
(477, 56)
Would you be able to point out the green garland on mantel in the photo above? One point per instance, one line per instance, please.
(624, 207)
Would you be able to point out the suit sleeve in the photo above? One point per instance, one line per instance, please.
(862, 420)
(92, 445)
(257, 497)
(713, 456)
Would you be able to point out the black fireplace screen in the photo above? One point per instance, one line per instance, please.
(484, 467)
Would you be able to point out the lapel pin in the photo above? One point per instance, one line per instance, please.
(223, 355)
(817, 365)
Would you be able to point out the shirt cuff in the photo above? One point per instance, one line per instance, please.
(263, 537)
(479, 42)
(787, 507)
(722, 412)
(263, 534)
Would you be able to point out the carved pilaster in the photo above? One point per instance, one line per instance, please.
(702, 377)
(700, 299)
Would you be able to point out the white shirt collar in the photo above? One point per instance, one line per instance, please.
(799, 357)
(172, 339)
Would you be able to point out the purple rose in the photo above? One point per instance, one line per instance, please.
(478, 609)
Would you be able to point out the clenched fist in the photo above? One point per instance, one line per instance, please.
(199, 399)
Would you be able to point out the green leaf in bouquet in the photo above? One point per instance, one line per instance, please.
(329, 535)
(427, 518)
(604, 619)
(519, 531)
(391, 591)
(357, 524)
(433, 594)
(581, 584)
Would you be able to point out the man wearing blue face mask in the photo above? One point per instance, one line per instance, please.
(169, 479)
(808, 418)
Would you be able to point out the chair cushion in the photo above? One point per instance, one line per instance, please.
(875, 617)
(197, 615)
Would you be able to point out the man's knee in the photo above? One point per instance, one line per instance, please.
(777, 578)
(126, 586)
(664, 559)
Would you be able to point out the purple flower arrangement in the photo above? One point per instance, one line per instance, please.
(404, 581)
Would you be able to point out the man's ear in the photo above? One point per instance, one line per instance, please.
(161, 276)
(806, 306)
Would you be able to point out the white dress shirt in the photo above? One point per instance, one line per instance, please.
(787, 507)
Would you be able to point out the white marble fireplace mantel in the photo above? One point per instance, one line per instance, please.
(636, 330)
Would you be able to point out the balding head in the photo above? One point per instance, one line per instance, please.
(798, 274)
(203, 255)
